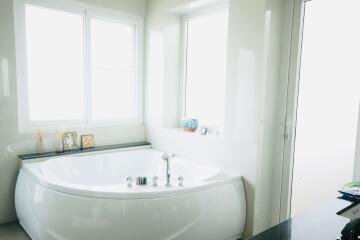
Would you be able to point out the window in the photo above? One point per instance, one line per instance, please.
(205, 68)
(77, 66)
(113, 69)
(55, 64)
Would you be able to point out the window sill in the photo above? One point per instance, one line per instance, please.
(208, 136)
(33, 156)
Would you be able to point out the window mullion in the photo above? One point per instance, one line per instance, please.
(87, 55)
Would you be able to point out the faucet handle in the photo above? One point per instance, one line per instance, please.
(181, 179)
(166, 156)
(129, 180)
(155, 180)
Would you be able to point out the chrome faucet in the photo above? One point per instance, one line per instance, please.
(166, 157)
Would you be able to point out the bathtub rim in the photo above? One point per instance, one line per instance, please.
(33, 170)
(24, 216)
(131, 193)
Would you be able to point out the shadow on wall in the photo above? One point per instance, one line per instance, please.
(250, 197)
(11, 166)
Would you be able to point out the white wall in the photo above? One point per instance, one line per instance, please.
(357, 154)
(270, 137)
(12, 142)
(251, 96)
(134, 7)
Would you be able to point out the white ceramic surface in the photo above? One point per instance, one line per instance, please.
(87, 197)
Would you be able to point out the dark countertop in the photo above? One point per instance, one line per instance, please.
(318, 224)
(75, 151)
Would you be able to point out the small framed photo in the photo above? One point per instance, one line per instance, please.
(69, 141)
(87, 141)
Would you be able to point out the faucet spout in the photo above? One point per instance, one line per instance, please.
(166, 157)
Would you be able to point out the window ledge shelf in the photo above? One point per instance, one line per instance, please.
(209, 136)
(32, 156)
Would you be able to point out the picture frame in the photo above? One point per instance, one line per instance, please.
(87, 141)
(69, 141)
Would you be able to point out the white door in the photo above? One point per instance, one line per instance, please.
(325, 103)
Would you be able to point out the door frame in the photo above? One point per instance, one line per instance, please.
(292, 76)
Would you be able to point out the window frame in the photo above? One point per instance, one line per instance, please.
(217, 130)
(87, 11)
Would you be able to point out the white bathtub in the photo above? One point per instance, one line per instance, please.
(87, 197)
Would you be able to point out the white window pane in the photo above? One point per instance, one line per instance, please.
(328, 102)
(113, 95)
(206, 68)
(54, 42)
(113, 57)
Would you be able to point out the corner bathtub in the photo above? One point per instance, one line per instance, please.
(87, 197)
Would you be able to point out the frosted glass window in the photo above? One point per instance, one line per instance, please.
(55, 64)
(113, 70)
(206, 52)
(77, 67)
(328, 103)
